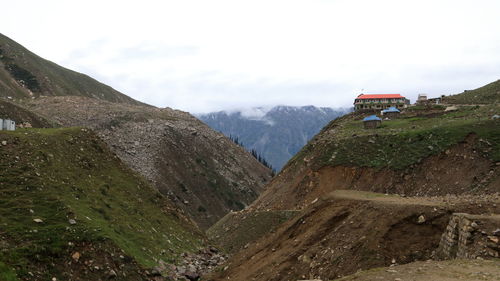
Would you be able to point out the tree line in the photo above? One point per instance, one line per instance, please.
(254, 153)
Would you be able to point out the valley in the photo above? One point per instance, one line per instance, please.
(95, 185)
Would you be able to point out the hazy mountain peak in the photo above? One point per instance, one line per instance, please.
(276, 133)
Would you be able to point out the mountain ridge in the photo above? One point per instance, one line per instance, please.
(200, 171)
(24, 74)
(275, 133)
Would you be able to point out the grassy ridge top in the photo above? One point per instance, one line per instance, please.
(487, 94)
(24, 75)
(57, 175)
(399, 143)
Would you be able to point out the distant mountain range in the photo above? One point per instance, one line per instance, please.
(275, 133)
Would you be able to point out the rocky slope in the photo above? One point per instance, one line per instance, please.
(71, 210)
(26, 75)
(205, 174)
(278, 133)
(201, 171)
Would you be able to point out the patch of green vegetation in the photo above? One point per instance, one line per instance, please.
(6, 273)
(404, 141)
(23, 76)
(58, 175)
(404, 148)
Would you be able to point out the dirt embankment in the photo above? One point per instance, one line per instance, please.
(431, 270)
(351, 231)
(462, 169)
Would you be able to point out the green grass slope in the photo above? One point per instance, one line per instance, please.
(401, 142)
(25, 75)
(484, 95)
(50, 177)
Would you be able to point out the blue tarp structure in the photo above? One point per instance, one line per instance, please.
(372, 118)
(391, 109)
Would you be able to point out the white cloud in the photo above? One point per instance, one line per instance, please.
(222, 54)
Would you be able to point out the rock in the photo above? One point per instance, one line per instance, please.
(112, 274)
(181, 270)
(496, 232)
(156, 271)
(193, 276)
(4, 142)
(72, 221)
(76, 256)
(38, 220)
(421, 219)
(493, 239)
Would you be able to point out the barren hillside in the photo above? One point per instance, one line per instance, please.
(202, 171)
(347, 231)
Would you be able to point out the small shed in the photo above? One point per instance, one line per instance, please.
(7, 124)
(391, 112)
(372, 122)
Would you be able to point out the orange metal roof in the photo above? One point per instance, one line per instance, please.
(380, 96)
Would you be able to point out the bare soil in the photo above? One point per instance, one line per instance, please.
(348, 231)
(459, 170)
(451, 270)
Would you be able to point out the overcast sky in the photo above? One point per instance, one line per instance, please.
(202, 56)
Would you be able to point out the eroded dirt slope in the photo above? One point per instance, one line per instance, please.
(351, 230)
(467, 270)
(460, 169)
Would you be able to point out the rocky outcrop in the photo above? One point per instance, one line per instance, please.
(470, 237)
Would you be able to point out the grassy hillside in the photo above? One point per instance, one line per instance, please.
(401, 142)
(25, 75)
(485, 95)
(63, 191)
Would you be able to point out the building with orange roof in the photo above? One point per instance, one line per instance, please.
(380, 101)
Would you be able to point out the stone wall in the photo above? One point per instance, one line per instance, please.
(470, 237)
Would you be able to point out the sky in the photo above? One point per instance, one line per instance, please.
(202, 56)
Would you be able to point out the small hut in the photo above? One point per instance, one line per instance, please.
(372, 122)
(6, 124)
(391, 112)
